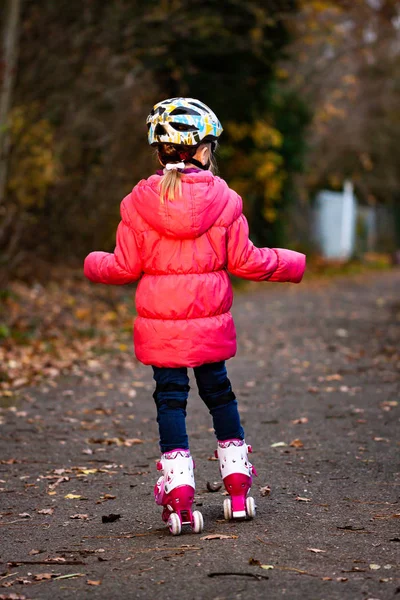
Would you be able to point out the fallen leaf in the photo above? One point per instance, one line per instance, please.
(265, 491)
(342, 333)
(110, 518)
(267, 567)
(131, 441)
(296, 444)
(118, 441)
(254, 562)
(43, 576)
(59, 472)
(374, 567)
(24, 515)
(219, 536)
(342, 579)
(278, 445)
(79, 516)
(316, 550)
(46, 511)
(300, 421)
(105, 497)
(93, 582)
(72, 496)
(33, 552)
(87, 471)
(301, 499)
(59, 480)
(56, 559)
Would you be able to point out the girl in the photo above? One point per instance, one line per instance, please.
(182, 231)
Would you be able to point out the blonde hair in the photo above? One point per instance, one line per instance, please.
(171, 181)
(171, 185)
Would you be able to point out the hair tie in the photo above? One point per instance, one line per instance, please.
(175, 166)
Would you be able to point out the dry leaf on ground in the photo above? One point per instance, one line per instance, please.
(296, 443)
(43, 576)
(110, 518)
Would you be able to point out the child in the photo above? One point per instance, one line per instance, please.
(182, 231)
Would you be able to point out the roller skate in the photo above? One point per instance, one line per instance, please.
(236, 472)
(174, 491)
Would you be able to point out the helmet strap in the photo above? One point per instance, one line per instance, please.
(197, 163)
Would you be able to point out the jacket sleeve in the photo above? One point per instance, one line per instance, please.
(261, 264)
(123, 265)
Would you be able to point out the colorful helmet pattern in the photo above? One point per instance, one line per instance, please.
(182, 121)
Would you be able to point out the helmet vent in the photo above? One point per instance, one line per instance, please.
(184, 111)
(182, 127)
(160, 130)
(202, 108)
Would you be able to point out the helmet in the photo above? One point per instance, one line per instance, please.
(183, 121)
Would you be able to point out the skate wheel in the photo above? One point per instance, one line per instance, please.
(227, 509)
(174, 524)
(198, 521)
(250, 507)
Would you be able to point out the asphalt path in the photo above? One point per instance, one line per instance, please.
(317, 379)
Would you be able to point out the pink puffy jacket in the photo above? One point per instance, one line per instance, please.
(181, 251)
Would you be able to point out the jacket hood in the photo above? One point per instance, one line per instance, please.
(188, 216)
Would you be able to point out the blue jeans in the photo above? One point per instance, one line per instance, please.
(171, 394)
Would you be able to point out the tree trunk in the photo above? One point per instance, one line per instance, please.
(10, 36)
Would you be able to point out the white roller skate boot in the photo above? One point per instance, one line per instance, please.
(237, 474)
(174, 491)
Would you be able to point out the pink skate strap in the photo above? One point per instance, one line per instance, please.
(233, 442)
(177, 452)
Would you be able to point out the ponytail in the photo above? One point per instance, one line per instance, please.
(171, 185)
(171, 181)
